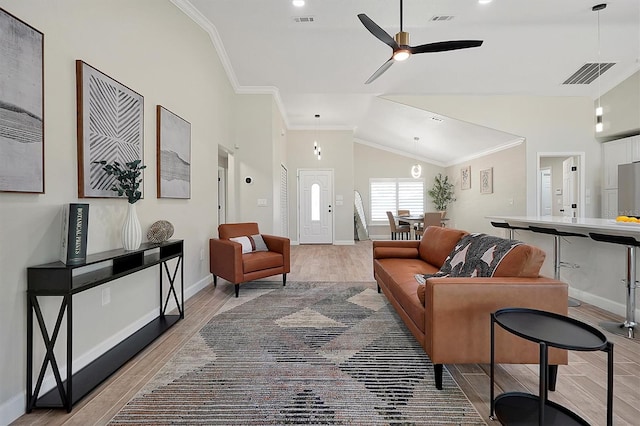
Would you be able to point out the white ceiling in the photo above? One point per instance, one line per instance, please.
(530, 48)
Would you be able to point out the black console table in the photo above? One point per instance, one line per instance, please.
(58, 279)
(546, 329)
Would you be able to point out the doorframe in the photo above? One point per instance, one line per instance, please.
(540, 174)
(583, 177)
(333, 203)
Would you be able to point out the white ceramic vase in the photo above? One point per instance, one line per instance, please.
(131, 230)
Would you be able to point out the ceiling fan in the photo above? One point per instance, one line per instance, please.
(400, 44)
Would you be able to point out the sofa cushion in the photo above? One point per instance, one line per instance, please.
(522, 261)
(261, 260)
(437, 242)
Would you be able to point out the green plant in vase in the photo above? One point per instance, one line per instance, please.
(128, 183)
(442, 193)
(128, 177)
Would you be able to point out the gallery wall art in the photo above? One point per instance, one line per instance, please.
(174, 155)
(21, 106)
(110, 128)
(465, 177)
(486, 181)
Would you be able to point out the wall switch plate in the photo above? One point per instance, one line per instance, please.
(106, 296)
(262, 202)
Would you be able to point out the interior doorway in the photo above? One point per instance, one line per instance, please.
(567, 180)
(546, 199)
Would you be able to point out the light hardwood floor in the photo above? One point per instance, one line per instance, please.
(581, 385)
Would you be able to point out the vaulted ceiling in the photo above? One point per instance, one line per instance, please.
(317, 58)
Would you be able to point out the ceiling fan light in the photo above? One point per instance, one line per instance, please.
(401, 55)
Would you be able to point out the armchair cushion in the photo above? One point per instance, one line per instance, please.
(251, 243)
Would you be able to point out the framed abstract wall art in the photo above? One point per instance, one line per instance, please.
(486, 181)
(110, 128)
(174, 155)
(465, 177)
(21, 106)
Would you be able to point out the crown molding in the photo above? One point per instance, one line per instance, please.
(507, 145)
(196, 16)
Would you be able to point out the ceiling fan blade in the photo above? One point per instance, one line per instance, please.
(380, 70)
(443, 46)
(377, 31)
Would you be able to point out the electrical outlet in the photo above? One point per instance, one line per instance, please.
(106, 296)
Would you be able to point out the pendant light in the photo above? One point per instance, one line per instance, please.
(416, 169)
(599, 123)
(317, 151)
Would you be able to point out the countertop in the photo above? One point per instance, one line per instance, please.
(573, 224)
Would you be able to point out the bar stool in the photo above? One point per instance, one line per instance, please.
(511, 228)
(627, 328)
(557, 262)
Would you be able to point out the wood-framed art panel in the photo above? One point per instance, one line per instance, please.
(173, 135)
(465, 177)
(21, 106)
(110, 128)
(486, 181)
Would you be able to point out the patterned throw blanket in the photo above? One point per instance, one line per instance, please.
(475, 255)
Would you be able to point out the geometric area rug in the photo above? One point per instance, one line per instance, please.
(308, 353)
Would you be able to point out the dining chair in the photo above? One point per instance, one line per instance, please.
(429, 219)
(398, 230)
(404, 213)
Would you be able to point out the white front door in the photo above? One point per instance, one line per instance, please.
(315, 213)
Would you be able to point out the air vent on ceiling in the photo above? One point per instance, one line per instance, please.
(588, 73)
(442, 18)
(304, 19)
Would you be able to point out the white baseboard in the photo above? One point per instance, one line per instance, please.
(343, 243)
(16, 406)
(602, 303)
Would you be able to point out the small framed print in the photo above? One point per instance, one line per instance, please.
(486, 181)
(465, 177)
(174, 155)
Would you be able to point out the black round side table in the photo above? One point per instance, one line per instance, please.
(548, 330)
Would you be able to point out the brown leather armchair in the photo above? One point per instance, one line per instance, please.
(226, 259)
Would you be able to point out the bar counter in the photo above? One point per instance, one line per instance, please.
(575, 224)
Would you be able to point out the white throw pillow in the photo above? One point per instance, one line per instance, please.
(251, 243)
(245, 242)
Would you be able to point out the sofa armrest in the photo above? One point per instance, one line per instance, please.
(280, 245)
(400, 249)
(225, 259)
(459, 310)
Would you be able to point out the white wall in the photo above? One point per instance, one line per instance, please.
(471, 207)
(337, 155)
(549, 124)
(152, 47)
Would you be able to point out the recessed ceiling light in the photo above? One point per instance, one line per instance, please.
(484, 1)
(298, 3)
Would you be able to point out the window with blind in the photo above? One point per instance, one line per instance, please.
(395, 194)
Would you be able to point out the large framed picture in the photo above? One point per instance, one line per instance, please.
(21, 106)
(174, 155)
(486, 181)
(110, 128)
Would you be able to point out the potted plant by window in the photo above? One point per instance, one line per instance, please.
(128, 182)
(442, 193)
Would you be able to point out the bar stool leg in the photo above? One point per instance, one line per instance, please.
(627, 328)
(573, 303)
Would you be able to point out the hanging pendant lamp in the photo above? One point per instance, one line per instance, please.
(599, 124)
(416, 169)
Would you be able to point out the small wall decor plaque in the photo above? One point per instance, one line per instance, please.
(465, 177)
(486, 181)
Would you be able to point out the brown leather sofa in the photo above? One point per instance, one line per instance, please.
(227, 260)
(453, 325)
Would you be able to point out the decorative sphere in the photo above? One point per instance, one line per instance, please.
(160, 231)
